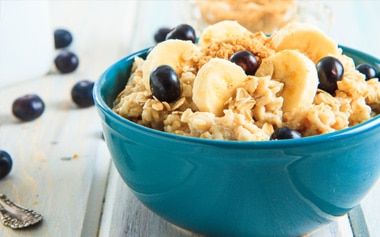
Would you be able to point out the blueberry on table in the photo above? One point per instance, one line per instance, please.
(5, 164)
(81, 93)
(62, 38)
(28, 107)
(66, 61)
(368, 70)
(330, 71)
(182, 32)
(161, 34)
(285, 133)
(246, 60)
(164, 84)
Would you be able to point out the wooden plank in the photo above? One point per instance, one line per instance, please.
(61, 163)
(339, 228)
(124, 215)
(358, 223)
(54, 157)
(95, 202)
(367, 215)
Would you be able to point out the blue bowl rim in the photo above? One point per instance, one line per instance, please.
(316, 139)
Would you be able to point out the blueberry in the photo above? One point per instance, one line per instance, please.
(62, 38)
(246, 60)
(330, 71)
(66, 61)
(161, 34)
(28, 107)
(81, 93)
(368, 70)
(285, 133)
(164, 84)
(182, 32)
(5, 164)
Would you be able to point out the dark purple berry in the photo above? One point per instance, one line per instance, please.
(28, 107)
(285, 133)
(164, 84)
(246, 60)
(368, 70)
(81, 93)
(66, 61)
(182, 32)
(5, 164)
(161, 34)
(62, 38)
(330, 71)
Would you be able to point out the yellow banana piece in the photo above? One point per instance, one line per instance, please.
(221, 31)
(215, 84)
(306, 38)
(297, 72)
(174, 53)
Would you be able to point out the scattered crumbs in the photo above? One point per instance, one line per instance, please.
(35, 203)
(66, 158)
(40, 156)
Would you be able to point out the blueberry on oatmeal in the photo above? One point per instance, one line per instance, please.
(330, 71)
(164, 84)
(285, 133)
(369, 71)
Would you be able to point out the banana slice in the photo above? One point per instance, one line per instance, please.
(215, 83)
(221, 31)
(306, 38)
(297, 72)
(174, 53)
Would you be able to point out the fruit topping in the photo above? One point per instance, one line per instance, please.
(285, 133)
(221, 31)
(246, 60)
(81, 93)
(161, 34)
(330, 71)
(368, 70)
(215, 83)
(298, 74)
(174, 53)
(164, 84)
(306, 38)
(28, 107)
(182, 32)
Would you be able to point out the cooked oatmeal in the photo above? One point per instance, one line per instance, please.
(255, 108)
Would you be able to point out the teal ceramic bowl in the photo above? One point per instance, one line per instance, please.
(230, 188)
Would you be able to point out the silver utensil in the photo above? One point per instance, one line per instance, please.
(15, 216)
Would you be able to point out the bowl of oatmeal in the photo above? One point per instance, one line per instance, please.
(218, 169)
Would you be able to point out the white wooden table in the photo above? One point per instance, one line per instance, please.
(62, 168)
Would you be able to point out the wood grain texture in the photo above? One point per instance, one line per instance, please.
(62, 168)
(61, 163)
